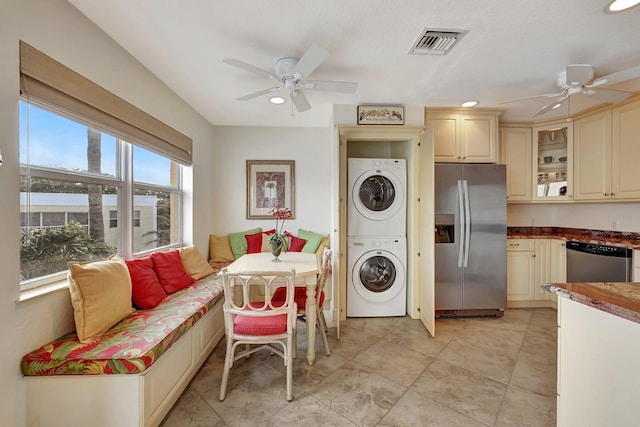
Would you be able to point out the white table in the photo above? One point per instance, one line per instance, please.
(306, 267)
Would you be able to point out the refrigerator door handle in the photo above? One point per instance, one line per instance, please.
(467, 224)
(461, 244)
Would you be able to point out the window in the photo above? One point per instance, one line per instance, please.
(72, 193)
(98, 175)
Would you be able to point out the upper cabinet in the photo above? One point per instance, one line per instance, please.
(606, 153)
(515, 153)
(464, 136)
(552, 162)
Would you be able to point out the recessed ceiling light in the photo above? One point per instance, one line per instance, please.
(468, 104)
(276, 100)
(620, 5)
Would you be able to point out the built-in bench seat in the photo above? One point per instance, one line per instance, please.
(134, 373)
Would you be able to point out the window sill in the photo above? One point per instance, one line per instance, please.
(43, 290)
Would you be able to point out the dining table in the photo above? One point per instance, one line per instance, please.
(306, 273)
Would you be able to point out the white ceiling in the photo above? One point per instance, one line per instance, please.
(513, 49)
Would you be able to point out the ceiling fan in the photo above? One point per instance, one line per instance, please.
(579, 78)
(291, 73)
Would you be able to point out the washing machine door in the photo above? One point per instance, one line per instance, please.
(378, 276)
(377, 194)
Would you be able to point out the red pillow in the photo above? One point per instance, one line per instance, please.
(254, 243)
(170, 271)
(296, 244)
(146, 291)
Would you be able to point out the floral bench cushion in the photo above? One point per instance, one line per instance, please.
(132, 345)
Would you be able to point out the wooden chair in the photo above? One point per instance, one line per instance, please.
(301, 298)
(269, 324)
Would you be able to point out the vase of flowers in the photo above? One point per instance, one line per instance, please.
(278, 241)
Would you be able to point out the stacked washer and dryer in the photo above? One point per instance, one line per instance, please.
(376, 237)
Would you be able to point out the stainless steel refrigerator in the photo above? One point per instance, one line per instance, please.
(471, 239)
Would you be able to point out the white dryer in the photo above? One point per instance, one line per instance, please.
(377, 202)
(376, 277)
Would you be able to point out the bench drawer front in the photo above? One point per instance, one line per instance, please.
(166, 376)
(210, 330)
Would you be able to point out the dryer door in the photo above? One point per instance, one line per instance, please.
(377, 194)
(378, 276)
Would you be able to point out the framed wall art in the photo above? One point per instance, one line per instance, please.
(270, 183)
(380, 115)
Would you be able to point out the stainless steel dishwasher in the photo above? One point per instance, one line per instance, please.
(591, 262)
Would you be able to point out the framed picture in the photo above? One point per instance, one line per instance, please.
(380, 115)
(270, 183)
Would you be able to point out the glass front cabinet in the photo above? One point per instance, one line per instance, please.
(552, 162)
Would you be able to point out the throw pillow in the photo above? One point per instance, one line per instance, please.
(146, 291)
(296, 244)
(254, 242)
(220, 249)
(194, 263)
(238, 243)
(171, 274)
(100, 296)
(313, 240)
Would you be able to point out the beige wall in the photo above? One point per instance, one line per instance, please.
(58, 29)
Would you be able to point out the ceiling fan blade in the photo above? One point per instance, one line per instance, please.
(300, 101)
(311, 59)
(328, 86)
(617, 77)
(579, 74)
(547, 95)
(257, 94)
(549, 106)
(251, 68)
(610, 95)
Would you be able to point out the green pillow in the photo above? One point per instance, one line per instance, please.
(313, 240)
(238, 243)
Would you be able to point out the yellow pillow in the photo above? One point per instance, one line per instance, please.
(100, 296)
(220, 249)
(194, 263)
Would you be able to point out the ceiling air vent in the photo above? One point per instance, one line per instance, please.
(436, 42)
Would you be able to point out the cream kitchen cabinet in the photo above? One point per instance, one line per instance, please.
(606, 153)
(515, 153)
(520, 270)
(530, 263)
(464, 136)
(592, 157)
(552, 162)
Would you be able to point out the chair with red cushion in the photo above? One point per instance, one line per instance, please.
(266, 324)
(301, 298)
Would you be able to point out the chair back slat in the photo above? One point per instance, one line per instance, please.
(325, 270)
(239, 289)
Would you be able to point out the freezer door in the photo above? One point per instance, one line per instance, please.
(448, 274)
(485, 276)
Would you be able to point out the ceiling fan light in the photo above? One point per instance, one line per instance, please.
(557, 105)
(469, 104)
(620, 5)
(277, 100)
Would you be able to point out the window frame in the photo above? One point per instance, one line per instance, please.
(124, 183)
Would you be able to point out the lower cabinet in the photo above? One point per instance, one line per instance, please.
(598, 367)
(530, 263)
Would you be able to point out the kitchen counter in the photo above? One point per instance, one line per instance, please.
(615, 238)
(598, 353)
(619, 299)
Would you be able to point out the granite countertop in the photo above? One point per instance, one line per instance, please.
(618, 298)
(615, 238)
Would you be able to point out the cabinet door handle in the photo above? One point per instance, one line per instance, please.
(606, 194)
(613, 194)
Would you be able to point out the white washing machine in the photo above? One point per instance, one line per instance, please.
(376, 277)
(377, 202)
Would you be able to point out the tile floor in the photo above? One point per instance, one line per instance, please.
(388, 372)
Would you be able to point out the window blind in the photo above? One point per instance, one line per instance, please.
(45, 80)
